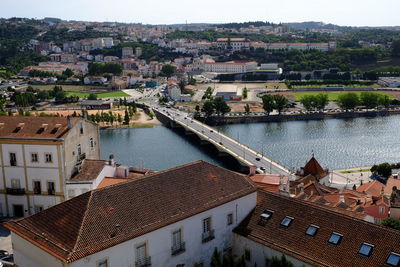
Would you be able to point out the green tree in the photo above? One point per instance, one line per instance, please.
(220, 106)
(280, 262)
(308, 102)
(392, 223)
(68, 72)
(216, 259)
(92, 96)
(119, 118)
(396, 48)
(268, 103)
(348, 100)
(245, 92)
(247, 109)
(383, 169)
(126, 117)
(384, 100)
(321, 100)
(369, 99)
(208, 108)
(168, 70)
(281, 103)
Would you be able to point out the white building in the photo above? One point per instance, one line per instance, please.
(230, 66)
(233, 43)
(173, 218)
(37, 155)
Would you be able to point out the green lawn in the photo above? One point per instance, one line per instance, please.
(332, 96)
(99, 95)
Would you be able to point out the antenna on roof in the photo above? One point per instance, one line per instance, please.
(312, 153)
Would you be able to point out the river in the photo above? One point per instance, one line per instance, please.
(336, 143)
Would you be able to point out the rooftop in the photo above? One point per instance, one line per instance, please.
(34, 127)
(88, 223)
(90, 170)
(316, 250)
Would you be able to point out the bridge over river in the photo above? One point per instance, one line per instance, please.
(243, 154)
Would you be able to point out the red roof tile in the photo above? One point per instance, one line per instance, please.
(87, 224)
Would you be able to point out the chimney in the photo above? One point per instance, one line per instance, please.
(341, 198)
(111, 160)
(69, 122)
(252, 170)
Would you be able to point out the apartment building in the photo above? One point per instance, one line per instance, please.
(176, 217)
(238, 66)
(233, 43)
(37, 155)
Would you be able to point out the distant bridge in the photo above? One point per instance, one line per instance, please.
(245, 155)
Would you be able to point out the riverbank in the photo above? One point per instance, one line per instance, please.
(142, 120)
(299, 117)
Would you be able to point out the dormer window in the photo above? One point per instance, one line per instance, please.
(366, 249)
(335, 238)
(286, 221)
(312, 230)
(265, 216)
(393, 259)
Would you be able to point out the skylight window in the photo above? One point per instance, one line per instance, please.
(265, 216)
(335, 238)
(286, 221)
(393, 259)
(366, 249)
(312, 230)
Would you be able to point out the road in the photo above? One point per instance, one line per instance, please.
(230, 145)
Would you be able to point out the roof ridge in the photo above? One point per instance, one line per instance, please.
(82, 223)
(161, 172)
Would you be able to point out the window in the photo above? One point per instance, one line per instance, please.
(38, 208)
(335, 238)
(37, 188)
(141, 255)
(91, 143)
(48, 157)
(229, 219)
(312, 230)
(102, 263)
(79, 150)
(247, 254)
(265, 216)
(81, 130)
(15, 184)
(366, 249)
(50, 188)
(13, 159)
(207, 225)
(381, 210)
(34, 157)
(393, 259)
(286, 221)
(177, 244)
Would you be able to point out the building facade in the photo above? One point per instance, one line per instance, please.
(37, 156)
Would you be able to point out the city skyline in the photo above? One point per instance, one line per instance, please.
(173, 12)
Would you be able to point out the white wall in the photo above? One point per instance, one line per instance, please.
(159, 242)
(29, 255)
(258, 252)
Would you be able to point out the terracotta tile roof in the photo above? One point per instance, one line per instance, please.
(373, 188)
(316, 250)
(314, 168)
(90, 170)
(88, 223)
(34, 127)
(389, 185)
(107, 181)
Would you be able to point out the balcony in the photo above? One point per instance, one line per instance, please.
(177, 249)
(15, 191)
(144, 262)
(207, 236)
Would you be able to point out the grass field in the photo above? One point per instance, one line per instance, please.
(71, 87)
(99, 95)
(332, 96)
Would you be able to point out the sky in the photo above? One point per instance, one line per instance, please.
(341, 12)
